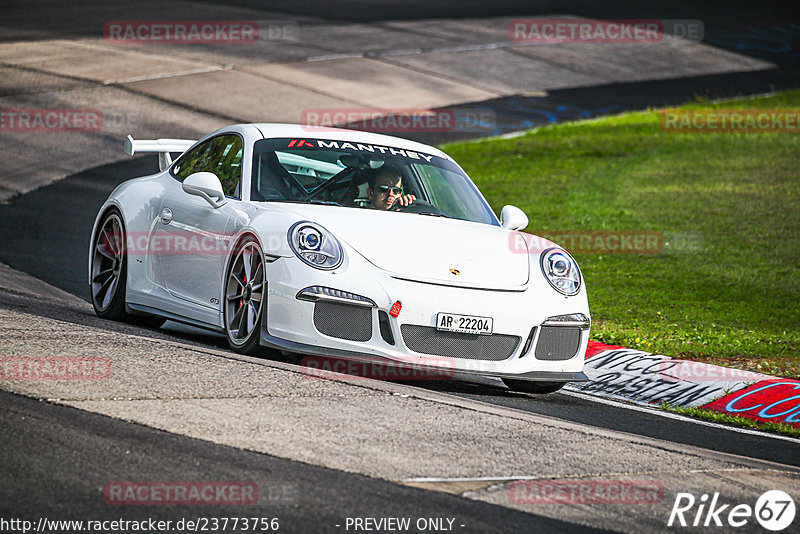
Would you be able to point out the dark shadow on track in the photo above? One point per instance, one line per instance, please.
(46, 233)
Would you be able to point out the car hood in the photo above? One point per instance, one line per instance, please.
(425, 248)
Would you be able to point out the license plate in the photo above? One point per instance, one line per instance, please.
(466, 324)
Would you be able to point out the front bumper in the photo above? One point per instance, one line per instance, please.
(290, 321)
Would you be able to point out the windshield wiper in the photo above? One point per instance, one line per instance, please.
(432, 214)
(298, 201)
(323, 202)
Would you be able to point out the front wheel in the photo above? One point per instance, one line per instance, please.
(529, 386)
(245, 283)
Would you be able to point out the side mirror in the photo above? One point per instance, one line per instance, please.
(206, 185)
(513, 218)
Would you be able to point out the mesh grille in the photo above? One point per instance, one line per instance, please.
(428, 340)
(343, 320)
(557, 343)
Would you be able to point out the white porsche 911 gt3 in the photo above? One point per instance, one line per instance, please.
(338, 243)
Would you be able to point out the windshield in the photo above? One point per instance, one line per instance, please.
(365, 176)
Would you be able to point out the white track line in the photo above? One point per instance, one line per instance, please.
(578, 477)
(199, 70)
(670, 415)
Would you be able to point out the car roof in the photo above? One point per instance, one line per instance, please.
(271, 130)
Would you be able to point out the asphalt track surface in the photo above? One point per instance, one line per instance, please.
(52, 451)
(767, 30)
(57, 458)
(54, 249)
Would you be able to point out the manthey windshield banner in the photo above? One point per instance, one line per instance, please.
(370, 148)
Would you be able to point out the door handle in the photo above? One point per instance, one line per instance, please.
(166, 216)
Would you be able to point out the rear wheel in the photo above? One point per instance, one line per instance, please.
(108, 269)
(529, 386)
(109, 274)
(244, 296)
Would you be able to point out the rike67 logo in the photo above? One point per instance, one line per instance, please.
(774, 510)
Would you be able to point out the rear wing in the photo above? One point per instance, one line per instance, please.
(162, 146)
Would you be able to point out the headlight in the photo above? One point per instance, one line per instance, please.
(315, 245)
(561, 271)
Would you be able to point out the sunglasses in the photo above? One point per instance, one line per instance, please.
(394, 189)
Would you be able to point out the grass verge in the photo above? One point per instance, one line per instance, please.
(734, 420)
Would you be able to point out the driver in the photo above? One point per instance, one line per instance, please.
(386, 188)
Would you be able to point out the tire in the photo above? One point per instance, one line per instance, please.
(243, 305)
(528, 386)
(109, 270)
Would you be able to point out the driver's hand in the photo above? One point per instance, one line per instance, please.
(405, 200)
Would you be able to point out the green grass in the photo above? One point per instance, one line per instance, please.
(734, 420)
(732, 296)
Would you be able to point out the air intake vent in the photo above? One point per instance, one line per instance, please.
(557, 343)
(386, 327)
(344, 321)
(428, 340)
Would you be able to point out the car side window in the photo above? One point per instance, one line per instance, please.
(221, 155)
